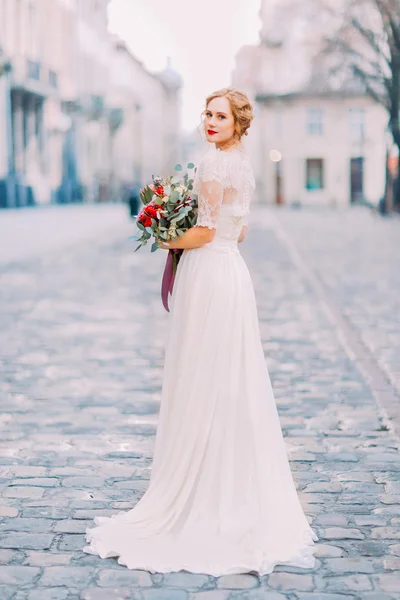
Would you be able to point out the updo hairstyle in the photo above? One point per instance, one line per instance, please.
(241, 107)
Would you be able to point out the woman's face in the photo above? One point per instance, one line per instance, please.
(219, 123)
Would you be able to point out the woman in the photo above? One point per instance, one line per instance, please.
(221, 497)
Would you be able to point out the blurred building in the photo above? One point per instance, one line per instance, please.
(80, 118)
(316, 139)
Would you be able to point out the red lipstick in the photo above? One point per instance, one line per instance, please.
(211, 132)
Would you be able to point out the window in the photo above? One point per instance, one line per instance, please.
(314, 174)
(315, 118)
(357, 123)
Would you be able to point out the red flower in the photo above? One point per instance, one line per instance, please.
(159, 191)
(150, 211)
(146, 221)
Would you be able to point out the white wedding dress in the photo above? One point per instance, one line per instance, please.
(221, 497)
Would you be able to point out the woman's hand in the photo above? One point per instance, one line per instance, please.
(164, 245)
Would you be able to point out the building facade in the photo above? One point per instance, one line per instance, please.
(316, 141)
(74, 106)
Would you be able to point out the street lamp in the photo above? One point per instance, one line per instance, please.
(276, 157)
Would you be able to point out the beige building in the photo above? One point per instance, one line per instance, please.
(80, 118)
(148, 140)
(315, 140)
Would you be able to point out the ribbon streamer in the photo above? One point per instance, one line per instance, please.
(168, 278)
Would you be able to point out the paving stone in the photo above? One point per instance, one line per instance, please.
(386, 533)
(6, 556)
(377, 596)
(258, 594)
(8, 592)
(351, 582)
(325, 596)
(361, 520)
(72, 526)
(391, 563)
(350, 565)
(395, 549)
(323, 487)
(83, 482)
(21, 541)
(182, 579)
(17, 575)
(217, 595)
(339, 533)
(165, 594)
(390, 499)
(8, 511)
(373, 548)
(290, 581)
(341, 457)
(389, 582)
(328, 551)
(23, 492)
(26, 525)
(356, 476)
(332, 519)
(234, 582)
(56, 593)
(122, 578)
(38, 481)
(44, 559)
(72, 542)
(47, 512)
(28, 470)
(77, 577)
(106, 594)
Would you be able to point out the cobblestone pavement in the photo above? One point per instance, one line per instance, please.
(82, 336)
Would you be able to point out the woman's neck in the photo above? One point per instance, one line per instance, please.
(226, 146)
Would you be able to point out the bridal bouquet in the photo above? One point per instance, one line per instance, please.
(170, 209)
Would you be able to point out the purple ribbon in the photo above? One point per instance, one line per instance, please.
(168, 278)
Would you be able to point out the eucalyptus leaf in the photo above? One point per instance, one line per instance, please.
(178, 168)
(142, 227)
(190, 166)
(149, 231)
(154, 247)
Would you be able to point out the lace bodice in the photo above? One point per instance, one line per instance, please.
(224, 184)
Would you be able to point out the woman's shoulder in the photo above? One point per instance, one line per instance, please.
(223, 165)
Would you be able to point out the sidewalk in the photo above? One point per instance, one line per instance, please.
(83, 333)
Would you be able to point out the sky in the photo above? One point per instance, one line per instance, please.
(200, 36)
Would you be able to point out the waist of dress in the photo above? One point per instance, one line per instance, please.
(222, 246)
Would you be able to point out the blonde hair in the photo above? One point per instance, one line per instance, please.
(241, 107)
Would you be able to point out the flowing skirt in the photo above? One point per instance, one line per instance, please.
(221, 497)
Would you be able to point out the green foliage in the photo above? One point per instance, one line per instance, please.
(172, 207)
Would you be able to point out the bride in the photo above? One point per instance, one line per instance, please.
(221, 497)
